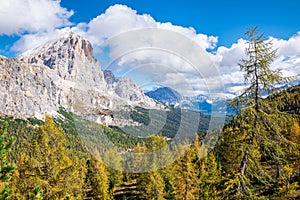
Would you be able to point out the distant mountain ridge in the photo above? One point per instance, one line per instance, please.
(165, 95)
(64, 73)
(201, 103)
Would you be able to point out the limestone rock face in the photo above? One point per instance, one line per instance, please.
(27, 90)
(64, 73)
(71, 57)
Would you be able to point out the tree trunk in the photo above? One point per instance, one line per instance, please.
(242, 171)
(278, 169)
(244, 162)
(186, 181)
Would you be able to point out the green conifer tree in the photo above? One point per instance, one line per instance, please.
(6, 169)
(186, 173)
(254, 142)
(97, 181)
(150, 185)
(113, 161)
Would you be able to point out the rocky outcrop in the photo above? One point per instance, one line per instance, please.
(64, 73)
(125, 88)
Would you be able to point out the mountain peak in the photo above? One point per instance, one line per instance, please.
(70, 43)
(70, 55)
(165, 95)
(79, 44)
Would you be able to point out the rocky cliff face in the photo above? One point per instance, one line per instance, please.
(64, 73)
(27, 90)
(71, 57)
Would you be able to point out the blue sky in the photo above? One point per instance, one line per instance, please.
(226, 19)
(217, 26)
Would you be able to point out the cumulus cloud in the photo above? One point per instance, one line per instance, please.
(205, 41)
(119, 19)
(19, 16)
(164, 68)
(228, 58)
(288, 47)
(116, 19)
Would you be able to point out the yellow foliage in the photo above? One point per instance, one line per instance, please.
(288, 170)
(2, 185)
(295, 133)
(288, 189)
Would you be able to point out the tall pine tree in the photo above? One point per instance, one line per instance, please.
(255, 142)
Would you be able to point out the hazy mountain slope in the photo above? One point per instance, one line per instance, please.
(165, 95)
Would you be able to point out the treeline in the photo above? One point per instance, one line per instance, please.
(172, 118)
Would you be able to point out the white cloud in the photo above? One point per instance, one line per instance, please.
(288, 47)
(116, 19)
(289, 66)
(165, 68)
(206, 42)
(19, 16)
(234, 77)
(228, 58)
